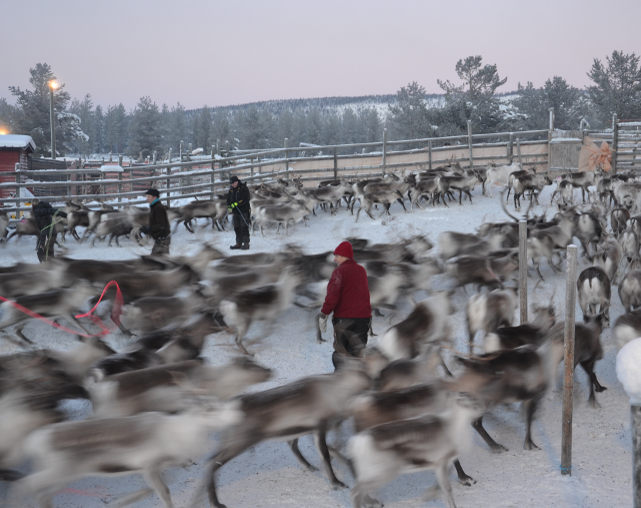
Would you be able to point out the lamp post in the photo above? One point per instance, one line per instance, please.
(53, 85)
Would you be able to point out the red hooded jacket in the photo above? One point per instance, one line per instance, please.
(348, 292)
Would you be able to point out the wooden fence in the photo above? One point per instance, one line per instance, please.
(206, 177)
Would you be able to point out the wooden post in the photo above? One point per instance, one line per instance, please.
(523, 270)
(251, 167)
(635, 413)
(169, 155)
(510, 148)
(550, 132)
(168, 172)
(568, 359)
(286, 157)
(615, 142)
(469, 142)
(429, 154)
(119, 187)
(335, 165)
(384, 159)
(518, 151)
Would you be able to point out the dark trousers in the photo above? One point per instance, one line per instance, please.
(350, 337)
(161, 246)
(44, 245)
(241, 227)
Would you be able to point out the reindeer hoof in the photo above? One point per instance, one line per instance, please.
(466, 480)
(498, 448)
(337, 484)
(529, 445)
(601, 388)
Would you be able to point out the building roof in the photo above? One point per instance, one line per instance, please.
(8, 141)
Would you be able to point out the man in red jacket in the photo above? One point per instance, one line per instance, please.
(348, 298)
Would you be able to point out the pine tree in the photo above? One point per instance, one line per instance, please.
(617, 87)
(408, 114)
(32, 112)
(144, 131)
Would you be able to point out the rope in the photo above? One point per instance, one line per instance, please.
(115, 313)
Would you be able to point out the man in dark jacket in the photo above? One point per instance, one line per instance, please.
(158, 227)
(238, 205)
(348, 298)
(45, 217)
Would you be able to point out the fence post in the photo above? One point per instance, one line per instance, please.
(615, 142)
(550, 132)
(518, 151)
(212, 177)
(286, 157)
(568, 359)
(168, 171)
(335, 165)
(429, 154)
(251, 167)
(119, 186)
(384, 160)
(18, 193)
(169, 155)
(510, 149)
(523, 270)
(469, 142)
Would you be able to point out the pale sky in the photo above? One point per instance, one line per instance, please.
(200, 52)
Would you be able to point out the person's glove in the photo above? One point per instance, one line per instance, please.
(322, 322)
(232, 206)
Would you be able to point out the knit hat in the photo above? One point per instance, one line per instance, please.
(153, 192)
(344, 249)
(233, 179)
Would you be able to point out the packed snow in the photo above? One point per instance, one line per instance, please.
(268, 475)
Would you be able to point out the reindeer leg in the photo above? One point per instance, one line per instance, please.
(20, 334)
(530, 409)
(293, 444)
(478, 426)
(444, 483)
(221, 458)
(463, 478)
(153, 478)
(321, 442)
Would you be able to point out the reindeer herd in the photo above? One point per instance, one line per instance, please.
(412, 402)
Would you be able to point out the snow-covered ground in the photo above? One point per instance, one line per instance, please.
(268, 475)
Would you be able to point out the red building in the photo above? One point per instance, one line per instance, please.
(15, 150)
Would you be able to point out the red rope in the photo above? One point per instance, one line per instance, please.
(115, 313)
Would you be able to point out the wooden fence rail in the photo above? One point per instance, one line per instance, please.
(207, 177)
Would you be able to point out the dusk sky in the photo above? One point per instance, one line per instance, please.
(200, 52)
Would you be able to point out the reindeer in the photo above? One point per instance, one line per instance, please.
(167, 387)
(429, 442)
(630, 290)
(425, 327)
(488, 311)
(265, 302)
(311, 404)
(594, 290)
(149, 442)
(528, 334)
(618, 220)
(587, 348)
(53, 303)
(627, 327)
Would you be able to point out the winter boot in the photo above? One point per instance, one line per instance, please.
(245, 246)
(237, 246)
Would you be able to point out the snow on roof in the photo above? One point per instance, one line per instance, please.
(16, 141)
(111, 168)
(628, 369)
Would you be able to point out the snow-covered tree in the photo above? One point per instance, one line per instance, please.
(144, 130)
(475, 98)
(32, 112)
(408, 117)
(617, 86)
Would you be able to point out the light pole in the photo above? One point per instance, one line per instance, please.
(53, 85)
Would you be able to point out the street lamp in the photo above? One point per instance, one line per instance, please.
(53, 85)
